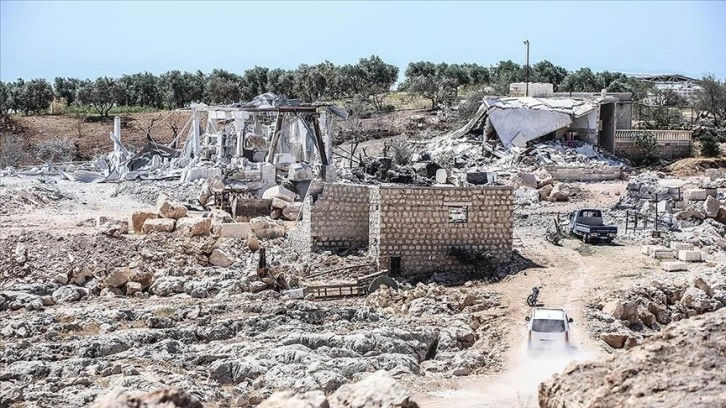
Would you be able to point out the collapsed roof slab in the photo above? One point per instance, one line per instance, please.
(517, 126)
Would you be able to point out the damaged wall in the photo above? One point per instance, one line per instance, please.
(338, 219)
(421, 224)
(672, 144)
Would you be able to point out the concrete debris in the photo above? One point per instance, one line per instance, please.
(264, 228)
(232, 230)
(220, 258)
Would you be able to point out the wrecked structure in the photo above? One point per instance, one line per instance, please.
(413, 230)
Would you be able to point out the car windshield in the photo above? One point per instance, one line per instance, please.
(548, 326)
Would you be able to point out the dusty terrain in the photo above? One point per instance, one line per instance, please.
(215, 333)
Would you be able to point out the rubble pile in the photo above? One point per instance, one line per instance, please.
(677, 367)
(15, 200)
(626, 319)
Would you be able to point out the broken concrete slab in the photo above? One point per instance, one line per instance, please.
(700, 194)
(279, 192)
(300, 172)
(169, 208)
(194, 227)
(662, 253)
(690, 256)
(682, 246)
(711, 207)
(233, 230)
(158, 225)
(674, 266)
(528, 180)
(526, 196)
(139, 217)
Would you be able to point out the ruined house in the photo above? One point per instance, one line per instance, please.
(411, 230)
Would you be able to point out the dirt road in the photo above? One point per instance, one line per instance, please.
(568, 274)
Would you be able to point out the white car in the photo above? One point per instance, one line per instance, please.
(548, 329)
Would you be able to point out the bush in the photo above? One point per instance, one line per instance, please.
(13, 149)
(709, 145)
(646, 144)
(62, 150)
(469, 106)
(401, 153)
(387, 109)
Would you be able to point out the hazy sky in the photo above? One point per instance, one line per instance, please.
(89, 39)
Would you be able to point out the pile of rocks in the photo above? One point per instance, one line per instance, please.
(629, 317)
(539, 186)
(679, 367)
(16, 199)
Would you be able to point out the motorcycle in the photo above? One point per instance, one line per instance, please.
(532, 298)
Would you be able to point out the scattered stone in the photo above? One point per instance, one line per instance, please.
(614, 340)
(118, 277)
(158, 225)
(138, 219)
(279, 192)
(168, 208)
(163, 398)
(292, 211)
(219, 258)
(711, 207)
(68, 293)
(194, 227)
(265, 228)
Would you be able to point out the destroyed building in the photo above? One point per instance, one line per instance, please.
(412, 230)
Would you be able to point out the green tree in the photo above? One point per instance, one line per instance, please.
(582, 80)
(3, 98)
(65, 89)
(281, 82)
(710, 99)
(223, 87)
(376, 79)
(435, 89)
(15, 96)
(504, 73)
(99, 94)
(255, 82)
(181, 88)
(547, 72)
(37, 96)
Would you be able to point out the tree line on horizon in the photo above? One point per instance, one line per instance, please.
(369, 80)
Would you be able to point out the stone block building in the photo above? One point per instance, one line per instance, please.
(411, 230)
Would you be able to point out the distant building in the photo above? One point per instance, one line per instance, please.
(681, 84)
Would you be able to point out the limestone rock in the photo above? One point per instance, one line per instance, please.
(699, 283)
(279, 204)
(677, 366)
(232, 229)
(138, 219)
(162, 398)
(377, 390)
(559, 193)
(132, 288)
(257, 286)
(292, 211)
(69, 293)
(545, 192)
(614, 340)
(252, 243)
(614, 308)
(168, 208)
(194, 227)
(696, 299)
(118, 277)
(158, 225)
(219, 258)
(267, 229)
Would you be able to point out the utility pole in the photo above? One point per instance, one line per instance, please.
(526, 71)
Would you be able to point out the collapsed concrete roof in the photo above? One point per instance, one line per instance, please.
(517, 121)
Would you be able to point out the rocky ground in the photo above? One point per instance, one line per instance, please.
(86, 308)
(680, 367)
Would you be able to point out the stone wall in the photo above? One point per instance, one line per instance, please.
(574, 173)
(673, 149)
(339, 218)
(415, 224)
